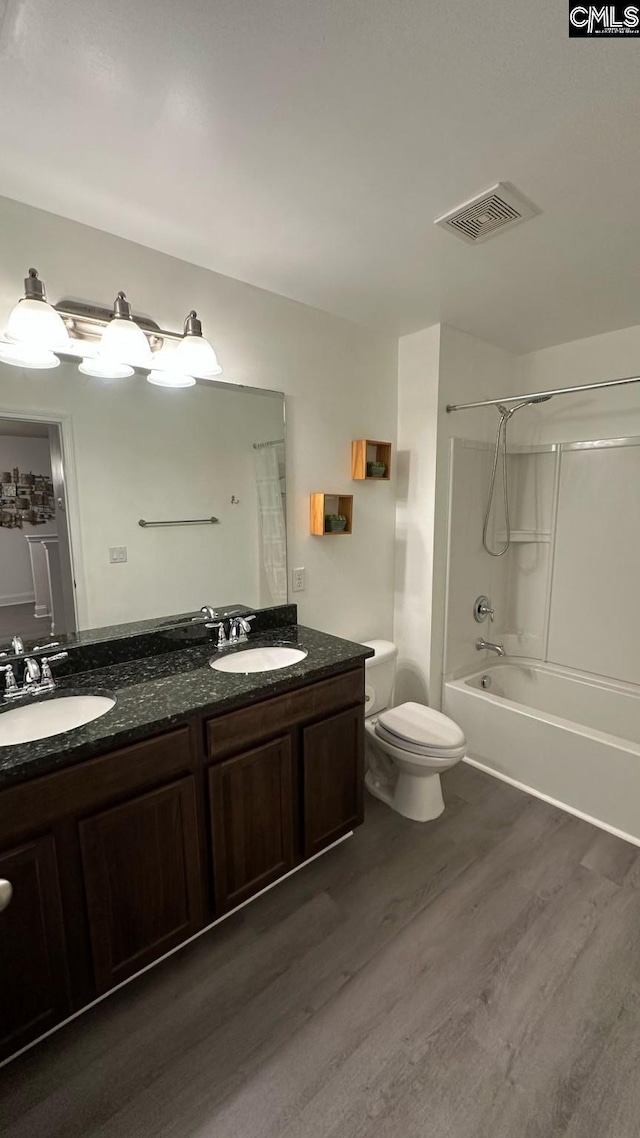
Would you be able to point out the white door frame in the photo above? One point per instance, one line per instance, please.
(70, 511)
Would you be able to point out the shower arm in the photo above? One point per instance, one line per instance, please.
(544, 395)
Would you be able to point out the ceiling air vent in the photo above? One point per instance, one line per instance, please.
(490, 213)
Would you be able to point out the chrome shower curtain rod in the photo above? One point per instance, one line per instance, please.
(541, 395)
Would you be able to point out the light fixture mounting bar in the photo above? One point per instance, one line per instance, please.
(88, 321)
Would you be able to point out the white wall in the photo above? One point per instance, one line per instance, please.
(588, 415)
(437, 366)
(16, 580)
(470, 369)
(418, 377)
(339, 380)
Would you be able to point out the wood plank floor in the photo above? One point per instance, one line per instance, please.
(475, 977)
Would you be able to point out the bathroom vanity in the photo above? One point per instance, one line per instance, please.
(125, 837)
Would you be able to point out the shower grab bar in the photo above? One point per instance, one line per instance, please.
(182, 522)
(545, 394)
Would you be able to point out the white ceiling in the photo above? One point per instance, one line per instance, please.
(306, 146)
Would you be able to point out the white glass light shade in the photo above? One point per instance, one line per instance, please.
(195, 356)
(170, 379)
(36, 324)
(167, 372)
(123, 342)
(24, 355)
(103, 369)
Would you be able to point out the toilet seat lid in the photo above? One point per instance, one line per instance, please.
(415, 723)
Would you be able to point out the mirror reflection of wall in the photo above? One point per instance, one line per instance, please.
(134, 451)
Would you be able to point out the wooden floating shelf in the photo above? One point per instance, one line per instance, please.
(364, 451)
(321, 505)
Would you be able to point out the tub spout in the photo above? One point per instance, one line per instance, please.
(482, 645)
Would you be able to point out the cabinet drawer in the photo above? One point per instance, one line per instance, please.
(239, 729)
(45, 800)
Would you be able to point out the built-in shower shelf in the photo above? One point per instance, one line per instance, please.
(523, 535)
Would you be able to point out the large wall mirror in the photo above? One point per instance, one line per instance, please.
(83, 461)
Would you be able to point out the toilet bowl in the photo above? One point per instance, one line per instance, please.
(408, 746)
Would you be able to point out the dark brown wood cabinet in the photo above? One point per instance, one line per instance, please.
(33, 975)
(252, 820)
(142, 876)
(118, 859)
(332, 778)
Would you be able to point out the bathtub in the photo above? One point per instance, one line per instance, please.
(569, 737)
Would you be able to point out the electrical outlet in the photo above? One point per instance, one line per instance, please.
(117, 554)
(298, 581)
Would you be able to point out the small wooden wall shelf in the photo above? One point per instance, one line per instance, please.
(324, 504)
(369, 450)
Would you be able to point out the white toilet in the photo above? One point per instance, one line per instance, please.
(407, 747)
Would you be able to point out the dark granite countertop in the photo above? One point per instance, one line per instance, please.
(158, 692)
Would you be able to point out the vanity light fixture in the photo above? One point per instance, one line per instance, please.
(34, 330)
(123, 346)
(194, 354)
(165, 372)
(111, 342)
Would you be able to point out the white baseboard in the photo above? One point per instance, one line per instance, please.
(17, 599)
(553, 801)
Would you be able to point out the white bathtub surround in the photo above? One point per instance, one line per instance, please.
(567, 736)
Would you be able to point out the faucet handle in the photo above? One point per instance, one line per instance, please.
(10, 684)
(482, 609)
(46, 647)
(46, 674)
(222, 638)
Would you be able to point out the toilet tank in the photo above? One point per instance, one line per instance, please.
(380, 674)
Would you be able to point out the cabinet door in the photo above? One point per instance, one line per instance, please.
(33, 980)
(251, 820)
(333, 773)
(142, 879)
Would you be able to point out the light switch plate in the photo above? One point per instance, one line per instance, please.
(117, 554)
(297, 583)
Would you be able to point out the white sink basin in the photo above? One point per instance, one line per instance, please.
(258, 659)
(32, 721)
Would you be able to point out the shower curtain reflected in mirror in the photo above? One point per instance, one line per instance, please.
(272, 530)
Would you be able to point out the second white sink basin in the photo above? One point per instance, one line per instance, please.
(47, 717)
(258, 659)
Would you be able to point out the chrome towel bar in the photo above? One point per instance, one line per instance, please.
(183, 522)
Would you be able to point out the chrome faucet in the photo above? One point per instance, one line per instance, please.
(486, 645)
(17, 646)
(207, 613)
(38, 678)
(31, 673)
(240, 628)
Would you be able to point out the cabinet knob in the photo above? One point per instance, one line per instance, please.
(6, 893)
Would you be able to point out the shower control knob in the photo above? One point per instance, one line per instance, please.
(482, 609)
